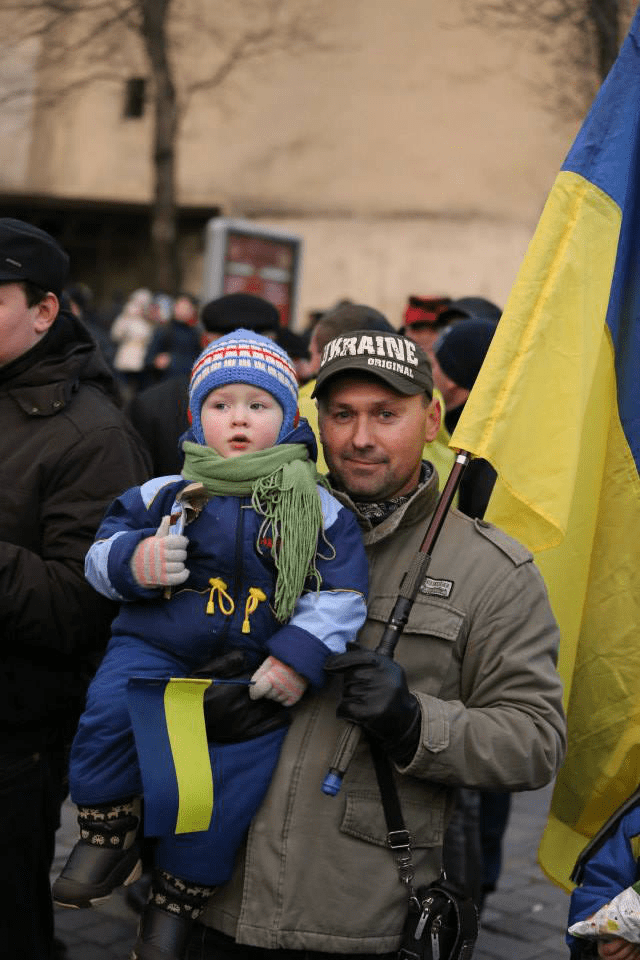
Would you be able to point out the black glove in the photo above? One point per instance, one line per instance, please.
(375, 696)
(230, 714)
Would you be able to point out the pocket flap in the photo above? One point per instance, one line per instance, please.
(434, 618)
(424, 818)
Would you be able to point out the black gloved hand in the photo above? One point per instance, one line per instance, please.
(375, 696)
(230, 714)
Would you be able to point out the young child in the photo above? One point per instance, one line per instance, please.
(609, 865)
(259, 558)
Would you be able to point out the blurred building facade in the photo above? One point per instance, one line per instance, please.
(409, 149)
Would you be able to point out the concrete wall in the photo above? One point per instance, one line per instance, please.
(18, 73)
(382, 261)
(409, 149)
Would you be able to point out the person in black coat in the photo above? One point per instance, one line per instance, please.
(175, 344)
(475, 833)
(66, 450)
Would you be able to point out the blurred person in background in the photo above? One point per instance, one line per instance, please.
(475, 834)
(297, 347)
(421, 321)
(175, 344)
(470, 308)
(160, 309)
(131, 331)
(79, 300)
(458, 355)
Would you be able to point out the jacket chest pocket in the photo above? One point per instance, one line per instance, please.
(429, 647)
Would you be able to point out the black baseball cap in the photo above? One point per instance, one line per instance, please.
(460, 350)
(470, 308)
(400, 362)
(240, 310)
(29, 253)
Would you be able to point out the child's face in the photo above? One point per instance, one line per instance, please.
(239, 418)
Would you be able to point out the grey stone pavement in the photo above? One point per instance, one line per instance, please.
(523, 920)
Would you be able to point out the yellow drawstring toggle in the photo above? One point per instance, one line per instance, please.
(220, 586)
(256, 595)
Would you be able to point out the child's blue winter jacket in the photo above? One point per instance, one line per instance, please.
(612, 868)
(225, 604)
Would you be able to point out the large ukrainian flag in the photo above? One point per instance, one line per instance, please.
(556, 409)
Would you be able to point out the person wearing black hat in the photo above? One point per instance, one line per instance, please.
(473, 842)
(234, 310)
(66, 450)
(471, 696)
(458, 355)
(174, 345)
(344, 317)
(470, 308)
(159, 413)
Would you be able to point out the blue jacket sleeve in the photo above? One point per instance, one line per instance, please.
(611, 869)
(324, 621)
(132, 517)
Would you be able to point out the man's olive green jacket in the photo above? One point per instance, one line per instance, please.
(479, 651)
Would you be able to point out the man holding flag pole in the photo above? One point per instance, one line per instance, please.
(556, 410)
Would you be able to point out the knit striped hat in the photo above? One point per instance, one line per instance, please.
(244, 357)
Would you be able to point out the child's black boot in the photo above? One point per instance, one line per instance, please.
(165, 927)
(106, 856)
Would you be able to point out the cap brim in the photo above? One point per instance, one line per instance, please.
(6, 277)
(345, 366)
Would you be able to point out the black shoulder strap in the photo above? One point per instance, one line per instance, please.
(398, 837)
(399, 840)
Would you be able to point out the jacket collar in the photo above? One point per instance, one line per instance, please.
(44, 379)
(416, 509)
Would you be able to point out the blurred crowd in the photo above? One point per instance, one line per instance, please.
(150, 340)
(148, 337)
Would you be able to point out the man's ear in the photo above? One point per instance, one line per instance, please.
(46, 312)
(433, 419)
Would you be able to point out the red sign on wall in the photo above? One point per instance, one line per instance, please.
(243, 258)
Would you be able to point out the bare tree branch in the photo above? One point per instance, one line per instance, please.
(579, 38)
(89, 41)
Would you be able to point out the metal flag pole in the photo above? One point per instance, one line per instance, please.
(396, 623)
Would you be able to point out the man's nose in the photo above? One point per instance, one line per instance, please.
(362, 436)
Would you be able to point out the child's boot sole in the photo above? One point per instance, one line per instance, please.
(91, 874)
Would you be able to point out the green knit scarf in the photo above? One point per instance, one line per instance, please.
(281, 482)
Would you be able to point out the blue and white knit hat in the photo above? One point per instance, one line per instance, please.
(244, 357)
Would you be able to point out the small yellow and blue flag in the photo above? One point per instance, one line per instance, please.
(556, 410)
(168, 723)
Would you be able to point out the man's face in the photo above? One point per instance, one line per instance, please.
(21, 326)
(451, 392)
(373, 437)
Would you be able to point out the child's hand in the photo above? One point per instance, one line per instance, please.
(618, 949)
(276, 681)
(158, 561)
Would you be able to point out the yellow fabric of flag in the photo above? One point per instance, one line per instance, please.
(544, 412)
(184, 713)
